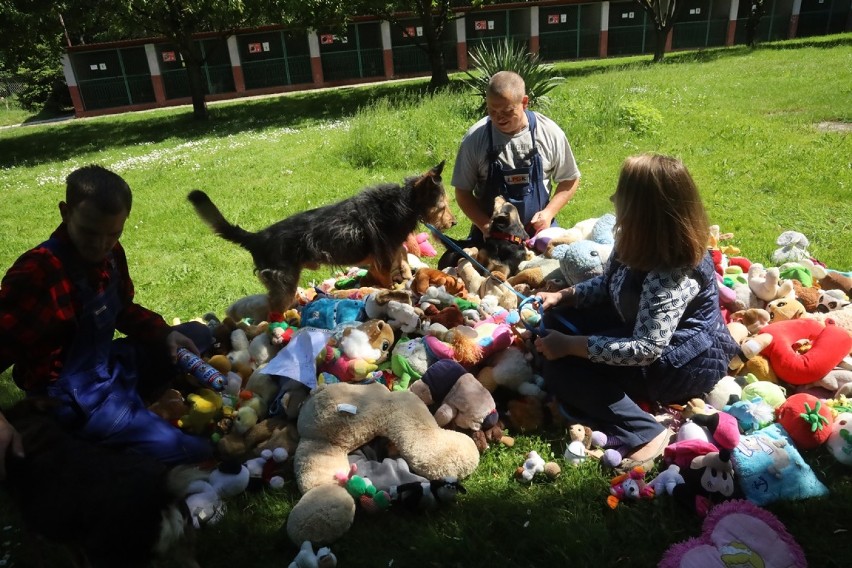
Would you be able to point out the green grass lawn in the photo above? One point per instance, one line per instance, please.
(745, 122)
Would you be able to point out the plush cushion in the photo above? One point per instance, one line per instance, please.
(738, 533)
(829, 345)
(769, 468)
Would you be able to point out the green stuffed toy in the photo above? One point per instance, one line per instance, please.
(409, 361)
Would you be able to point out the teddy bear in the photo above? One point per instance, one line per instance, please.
(750, 345)
(509, 368)
(427, 276)
(342, 417)
(556, 236)
(254, 308)
(585, 442)
(537, 273)
(766, 283)
(271, 433)
(376, 303)
(170, 406)
(586, 258)
(482, 286)
(582, 260)
(456, 396)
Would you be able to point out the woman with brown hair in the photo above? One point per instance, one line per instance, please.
(650, 326)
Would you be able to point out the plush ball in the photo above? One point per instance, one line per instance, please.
(806, 419)
(840, 441)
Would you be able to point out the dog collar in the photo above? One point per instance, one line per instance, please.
(506, 237)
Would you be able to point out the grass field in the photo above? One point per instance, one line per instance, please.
(747, 123)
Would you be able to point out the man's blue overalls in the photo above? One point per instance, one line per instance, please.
(524, 186)
(97, 386)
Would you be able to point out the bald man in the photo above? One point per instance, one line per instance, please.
(516, 153)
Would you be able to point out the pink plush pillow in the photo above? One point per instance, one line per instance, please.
(829, 345)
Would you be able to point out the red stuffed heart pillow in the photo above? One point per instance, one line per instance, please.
(828, 345)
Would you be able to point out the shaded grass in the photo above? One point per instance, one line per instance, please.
(743, 121)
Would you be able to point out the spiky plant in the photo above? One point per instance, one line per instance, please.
(507, 55)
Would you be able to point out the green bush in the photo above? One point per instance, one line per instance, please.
(486, 60)
(406, 132)
(639, 117)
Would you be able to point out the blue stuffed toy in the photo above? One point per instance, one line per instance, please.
(585, 259)
(327, 313)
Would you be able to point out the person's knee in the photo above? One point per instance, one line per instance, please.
(199, 333)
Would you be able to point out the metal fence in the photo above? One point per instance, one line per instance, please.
(9, 86)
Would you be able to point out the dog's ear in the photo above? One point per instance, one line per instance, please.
(436, 171)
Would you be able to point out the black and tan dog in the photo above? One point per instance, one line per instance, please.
(109, 508)
(369, 227)
(504, 247)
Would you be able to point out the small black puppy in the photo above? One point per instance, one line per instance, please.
(369, 227)
(109, 508)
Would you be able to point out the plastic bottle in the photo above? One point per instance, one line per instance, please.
(195, 366)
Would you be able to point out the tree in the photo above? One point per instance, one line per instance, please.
(663, 13)
(756, 12)
(434, 16)
(81, 21)
(179, 21)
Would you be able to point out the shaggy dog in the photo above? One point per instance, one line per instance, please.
(369, 227)
(108, 508)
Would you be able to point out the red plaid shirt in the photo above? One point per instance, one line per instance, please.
(38, 311)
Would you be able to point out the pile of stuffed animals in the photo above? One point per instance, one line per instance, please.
(387, 397)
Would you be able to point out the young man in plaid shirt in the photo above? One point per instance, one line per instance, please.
(60, 304)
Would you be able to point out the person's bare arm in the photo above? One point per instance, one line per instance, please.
(561, 196)
(472, 208)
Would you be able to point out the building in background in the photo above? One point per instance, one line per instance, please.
(149, 73)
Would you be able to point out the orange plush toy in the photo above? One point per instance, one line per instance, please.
(427, 276)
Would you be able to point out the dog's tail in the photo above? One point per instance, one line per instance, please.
(211, 215)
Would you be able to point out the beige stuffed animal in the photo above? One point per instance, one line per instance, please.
(341, 417)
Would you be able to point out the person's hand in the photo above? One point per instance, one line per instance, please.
(10, 439)
(541, 220)
(176, 340)
(549, 299)
(486, 229)
(556, 345)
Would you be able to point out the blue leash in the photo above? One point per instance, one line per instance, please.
(537, 329)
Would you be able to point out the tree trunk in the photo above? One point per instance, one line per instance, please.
(660, 45)
(194, 61)
(434, 49)
(758, 9)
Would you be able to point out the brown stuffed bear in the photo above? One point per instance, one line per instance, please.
(427, 276)
(341, 417)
